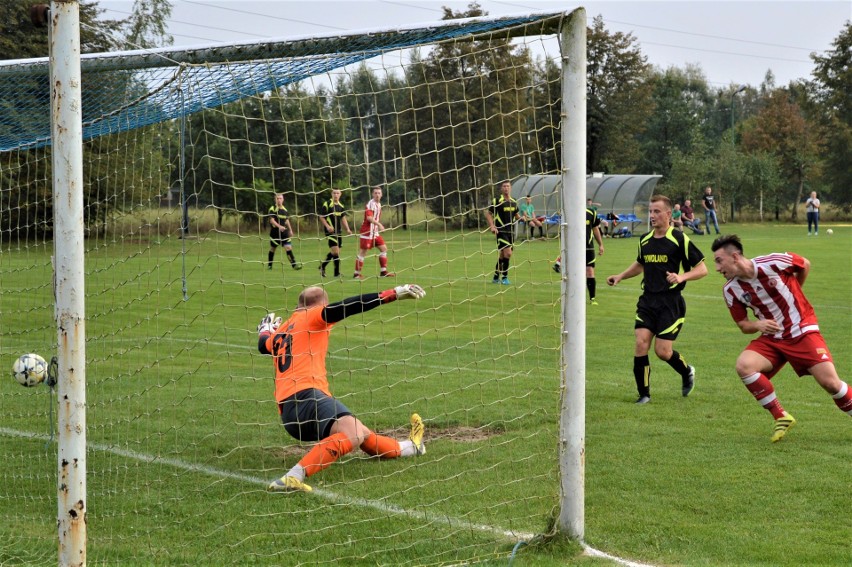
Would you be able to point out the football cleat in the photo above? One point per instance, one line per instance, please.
(643, 399)
(556, 268)
(495, 280)
(416, 434)
(388, 275)
(505, 281)
(358, 277)
(689, 382)
(594, 301)
(297, 266)
(288, 483)
(782, 424)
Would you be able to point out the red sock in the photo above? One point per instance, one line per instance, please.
(843, 398)
(381, 446)
(383, 262)
(325, 452)
(764, 392)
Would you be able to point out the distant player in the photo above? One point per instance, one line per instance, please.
(308, 411)
(280, 232)
(593, 233)
(333, 218)
(501, 215)
(771, 287)
(661, 310)
(370, 236)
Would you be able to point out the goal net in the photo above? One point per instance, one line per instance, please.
(184, 153)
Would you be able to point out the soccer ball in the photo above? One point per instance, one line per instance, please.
(829, 232)
(29, 370)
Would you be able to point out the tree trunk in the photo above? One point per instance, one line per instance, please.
(794, 215)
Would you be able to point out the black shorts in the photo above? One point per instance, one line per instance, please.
(308, 415)
(334, 240)
(505, 239)
(661, 313)
(590, 257)
(279, 239)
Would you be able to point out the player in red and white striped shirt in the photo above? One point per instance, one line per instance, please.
(771, 287)
(370, 236)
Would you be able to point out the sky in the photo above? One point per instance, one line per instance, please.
(734, 42)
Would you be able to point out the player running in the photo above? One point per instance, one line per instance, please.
(771, 286)
(661, 310)
(308, 410)
(333, 218)
(280, 231)
(370, 236)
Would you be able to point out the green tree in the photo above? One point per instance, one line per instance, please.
(619, 100)
(147, 25)
(782, 130)
(830, 89)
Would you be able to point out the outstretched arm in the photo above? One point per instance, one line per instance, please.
(339, 310)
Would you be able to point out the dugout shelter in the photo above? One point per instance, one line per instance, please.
(624, 195)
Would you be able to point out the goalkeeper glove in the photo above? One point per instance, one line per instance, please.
(409, 291)
(269, 324)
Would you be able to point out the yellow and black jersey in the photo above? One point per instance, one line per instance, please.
(504, 211)
(592, 221)
(666, 254)
(281, 215)
(334, 213)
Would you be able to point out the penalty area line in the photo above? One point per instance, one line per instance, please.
(425, 517)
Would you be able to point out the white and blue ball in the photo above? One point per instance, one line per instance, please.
(29, 370)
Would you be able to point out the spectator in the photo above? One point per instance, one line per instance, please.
(812, 209)
(528, 216)
(688, 217)
(677, 220)
(710, 209)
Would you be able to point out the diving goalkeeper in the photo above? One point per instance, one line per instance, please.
(308, 410)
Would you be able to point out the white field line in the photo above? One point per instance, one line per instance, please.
(335, 497)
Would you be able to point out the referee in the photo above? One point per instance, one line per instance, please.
(661, 309)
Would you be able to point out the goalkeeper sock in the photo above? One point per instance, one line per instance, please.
(843, 398)
(590, 284)
(678, 364)
(297, 472)
(270, 256)
(764, 392)
(642, 374)
(325, 452)
(381, 446)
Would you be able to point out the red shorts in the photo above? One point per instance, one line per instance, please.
(367, 243)
(802, 353)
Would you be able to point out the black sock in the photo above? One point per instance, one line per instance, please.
(270, 256)
(337, 265)
(325, 262)
(497, 268)
(678, 363)
(590, 284)
(292, 258)
(504, 269)
(541, 231)
(642, 374)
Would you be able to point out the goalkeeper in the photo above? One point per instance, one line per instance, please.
(308, 410)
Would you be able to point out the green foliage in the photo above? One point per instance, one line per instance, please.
(147, 25)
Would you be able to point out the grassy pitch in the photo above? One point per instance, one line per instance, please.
(184, 435)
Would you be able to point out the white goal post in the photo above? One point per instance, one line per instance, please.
(144, 144)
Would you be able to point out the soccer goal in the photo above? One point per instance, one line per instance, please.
(177, 433)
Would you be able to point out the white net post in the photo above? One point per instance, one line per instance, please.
(67, 135)
(573, 412)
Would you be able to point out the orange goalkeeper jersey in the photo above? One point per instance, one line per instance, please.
(299, 348)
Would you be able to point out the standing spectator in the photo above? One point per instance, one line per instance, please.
(771, 286)
(661, 309)
(528, 216)
(710, 209)
(333, 218)
(280, 232)
(677, 220)
(370, 236)
(308, 410)
(812, 209)
(689, 219)
(501, 215)
(593, 231)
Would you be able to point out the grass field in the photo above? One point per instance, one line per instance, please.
(184, 436)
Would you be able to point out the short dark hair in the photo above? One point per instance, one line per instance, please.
(726, 240)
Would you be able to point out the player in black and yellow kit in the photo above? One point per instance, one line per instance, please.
(661, 308)
(333, 217)
(593, 234)
(502, 214)
(280, 231)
